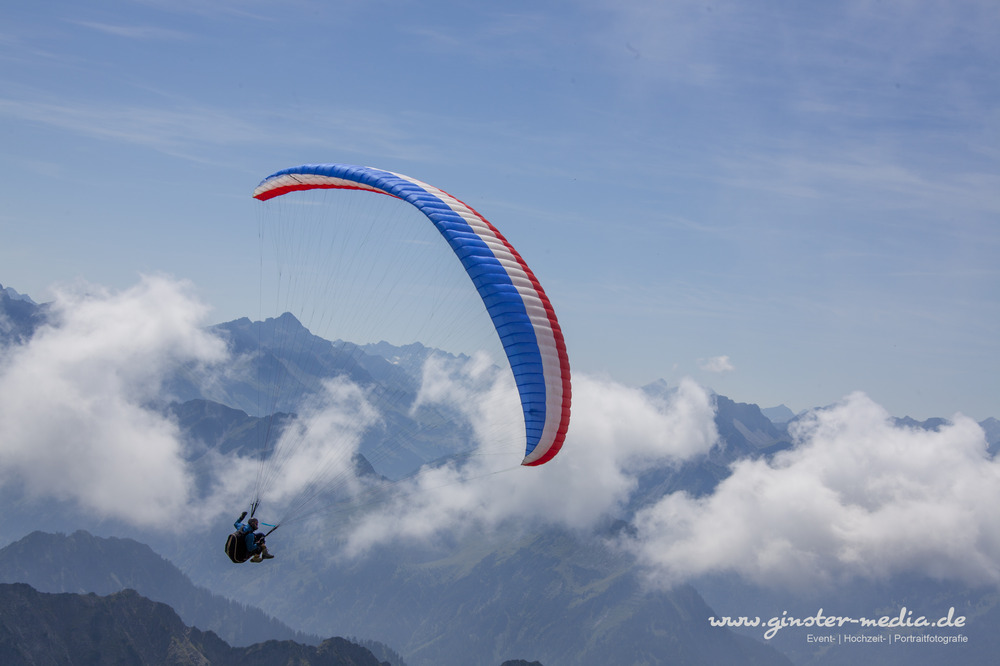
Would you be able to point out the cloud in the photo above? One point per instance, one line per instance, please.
(78, 420)
(305, 461)
(719, 364)
(171, 129)
(857, 497)
(141, 32)
(483, 395)
(178, 128)
(83, 422)
(615, 433)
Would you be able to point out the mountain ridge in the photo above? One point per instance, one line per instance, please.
(82, 563)
(127, 628)
(480, 589)
(368, 360)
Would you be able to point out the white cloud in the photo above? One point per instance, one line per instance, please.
(477, 388)
(76, 419)
(615, 432)
(718, 364)
(82, 422)
(315, 451)
(857, 497)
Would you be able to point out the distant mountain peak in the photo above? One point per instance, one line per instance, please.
(779, 414)
(15, 296)
(19, 316)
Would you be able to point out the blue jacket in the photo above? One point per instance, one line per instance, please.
(249, 538)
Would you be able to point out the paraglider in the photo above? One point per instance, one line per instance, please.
(521, 314)
(246, 543)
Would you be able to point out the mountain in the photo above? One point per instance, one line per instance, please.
(778, 415)
(555, 596)
(928, 424)
(81, 563)
(210, 425)
(278, 365)
(744, 432)
(474, 585)
(407, 358)
(19, 316)
(991, 427)
(281, 350)
(285, 352)
(13, 295)
(126, 628)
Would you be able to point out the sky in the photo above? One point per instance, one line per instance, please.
(785, 202)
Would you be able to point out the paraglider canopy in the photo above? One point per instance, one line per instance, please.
(520, 311)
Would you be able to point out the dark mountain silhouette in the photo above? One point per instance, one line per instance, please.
(81, 562)
(127, 628)
(471, 606)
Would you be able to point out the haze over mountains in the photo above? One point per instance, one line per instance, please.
(562, 593)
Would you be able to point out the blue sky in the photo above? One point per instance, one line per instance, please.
(787, 202)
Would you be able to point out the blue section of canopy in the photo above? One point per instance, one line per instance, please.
(503, 301)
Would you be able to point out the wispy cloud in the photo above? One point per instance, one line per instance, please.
(140, 32)
(170, 131)
(717, 364)
(183, 130)
(877, 178)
